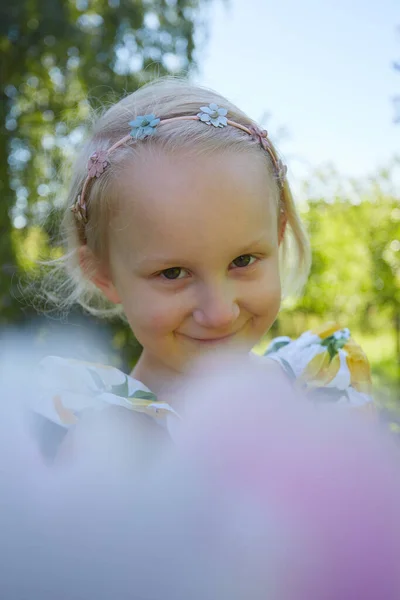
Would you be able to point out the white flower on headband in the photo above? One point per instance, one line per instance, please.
(213, 115)
(143, 126)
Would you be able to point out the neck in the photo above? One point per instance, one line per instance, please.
(159, 378)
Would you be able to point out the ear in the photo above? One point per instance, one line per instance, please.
(97, 274)
(282, 225)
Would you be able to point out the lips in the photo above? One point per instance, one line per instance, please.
(211, 340)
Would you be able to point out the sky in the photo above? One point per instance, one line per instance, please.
(322, 69)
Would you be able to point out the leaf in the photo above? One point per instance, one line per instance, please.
(143, 395)
(122, 389)
(288, 369)
(275, 346)
(99, 383)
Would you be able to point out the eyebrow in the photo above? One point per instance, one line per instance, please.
(161, 261)
(249, 247)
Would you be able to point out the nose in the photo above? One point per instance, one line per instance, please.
(217, 309)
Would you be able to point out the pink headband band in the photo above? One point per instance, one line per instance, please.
(144, 126)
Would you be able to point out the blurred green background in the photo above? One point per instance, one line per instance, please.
(57, 57)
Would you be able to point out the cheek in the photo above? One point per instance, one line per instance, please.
(265, 294)
(153, 313)
(267, 304)
(264, 305)
(161, 319)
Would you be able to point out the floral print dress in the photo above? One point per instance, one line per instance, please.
(326, 364)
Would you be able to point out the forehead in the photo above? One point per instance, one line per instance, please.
(193, 202)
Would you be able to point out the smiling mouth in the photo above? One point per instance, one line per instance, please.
(211, 340)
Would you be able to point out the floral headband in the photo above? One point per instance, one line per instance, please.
(144, 126)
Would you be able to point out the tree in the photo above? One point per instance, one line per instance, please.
(355, 276)
(54, 54)
(385, 254)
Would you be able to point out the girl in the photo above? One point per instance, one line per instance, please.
(180, 218)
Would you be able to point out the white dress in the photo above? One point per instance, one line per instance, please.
(327, 361)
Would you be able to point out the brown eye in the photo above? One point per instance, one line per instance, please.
(172, 273)
(243, 261)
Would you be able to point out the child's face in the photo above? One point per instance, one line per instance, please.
(194, 254)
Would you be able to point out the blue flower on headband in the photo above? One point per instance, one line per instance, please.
(213, 115)
(143, 126)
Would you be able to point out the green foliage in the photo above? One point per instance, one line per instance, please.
(56, 57)
(337, 287)
(355, 276)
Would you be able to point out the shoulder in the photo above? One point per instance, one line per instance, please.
(70, 391)
(69, 387)
(327, 363)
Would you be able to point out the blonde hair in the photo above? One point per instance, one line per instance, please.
(166, 98)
